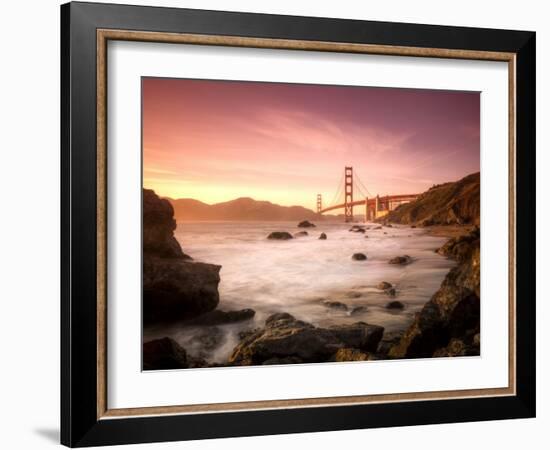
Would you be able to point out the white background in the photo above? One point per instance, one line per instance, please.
(128, 387)
(29, 164)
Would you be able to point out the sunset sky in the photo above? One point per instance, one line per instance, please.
(219, 140)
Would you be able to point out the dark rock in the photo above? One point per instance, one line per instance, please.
(383, 285)
(359, 335)
(390, 292)
(357, 229)
(377, 228)
(219, 317)
(358, 310)
(395, 304)
(351, 354)
(280, 235)
(306, 224)
(286, 337)
(300, 234)
(158, 227)
(389, 225)
(353, 294)
(453, 312)
(164, 354)
(246, 333)
(359, 257)
(388, 341)
(174, 287)
(460, 248)
(405, 259)
(336, 305)
(322, 236)
(413, 226)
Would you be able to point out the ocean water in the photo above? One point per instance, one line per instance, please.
(297, 276)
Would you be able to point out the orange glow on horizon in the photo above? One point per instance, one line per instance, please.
(216, 141)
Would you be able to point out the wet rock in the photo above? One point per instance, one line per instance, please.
(351, 354)
(322, 236)
(383, 285)
(358, 310)
(453, 312)
(413, 226)
(357, 229)
(395, 304)
(174, 286)
(402, 260)
(459, 248)
(359, 257)
(175, 289)
(389, 339)
(389, 225)
(306, 224)
(164, 354)
(301, 234)
(280, 235)
(354, 294)
(335, 305)
(377, 228)
(359, 335)
(284, 336)
(219, 317)
(390, 292)
(243, 334)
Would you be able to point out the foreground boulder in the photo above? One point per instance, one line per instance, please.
(285, 338)
(280, 235)
(174, 286)
(306, 224)
(453, 312)
(164, 354)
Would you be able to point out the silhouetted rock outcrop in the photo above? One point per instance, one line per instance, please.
(453, 312)
(174, 286)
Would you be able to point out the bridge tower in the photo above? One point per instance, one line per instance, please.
(319, 203)
(348, 192)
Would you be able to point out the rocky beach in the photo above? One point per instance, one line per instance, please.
(308, 291)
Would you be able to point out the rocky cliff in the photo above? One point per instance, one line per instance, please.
(174, 286)
(448, 325)
(449, 203)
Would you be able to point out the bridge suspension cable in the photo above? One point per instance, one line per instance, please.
(336, 198)
(361, 187)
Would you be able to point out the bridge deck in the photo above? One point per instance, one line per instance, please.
(372, 201)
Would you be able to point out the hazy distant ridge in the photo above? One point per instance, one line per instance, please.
(240, 209)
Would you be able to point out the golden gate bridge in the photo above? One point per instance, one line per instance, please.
(375, 206)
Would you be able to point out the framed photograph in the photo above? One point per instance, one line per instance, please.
(276, 224)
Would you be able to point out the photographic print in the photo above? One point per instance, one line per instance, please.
(296, 223)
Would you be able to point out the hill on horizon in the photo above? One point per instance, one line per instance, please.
(242, 209)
